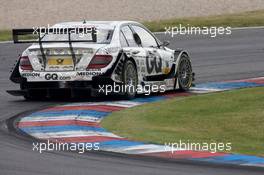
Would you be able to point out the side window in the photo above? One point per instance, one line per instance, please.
(147, 39)
(129, 36)
(123, 41)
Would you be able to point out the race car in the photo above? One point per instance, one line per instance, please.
(91, 57)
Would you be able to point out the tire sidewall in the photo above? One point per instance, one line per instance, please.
(181, 86)
(127, 63)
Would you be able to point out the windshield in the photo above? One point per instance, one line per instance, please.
(103, 36)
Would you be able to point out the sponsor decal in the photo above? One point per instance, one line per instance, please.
(89, 73)
(153, 62)
(56, 77)
(51, 77)
(30, 74)
(65, 78)
(166, 70)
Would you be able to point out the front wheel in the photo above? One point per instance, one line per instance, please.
(130, 79)
(184, 73)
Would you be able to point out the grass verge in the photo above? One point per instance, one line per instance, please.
(5, 35)
(245, 19)
(233, 116)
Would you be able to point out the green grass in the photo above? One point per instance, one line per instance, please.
(5, 35)
(232, 116)
(245, 19)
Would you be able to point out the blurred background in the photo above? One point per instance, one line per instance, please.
(29, 13)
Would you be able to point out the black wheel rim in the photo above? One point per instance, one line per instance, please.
(131, 79)
(185, 73)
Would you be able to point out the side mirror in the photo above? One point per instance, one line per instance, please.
(137, 39)
(165, 43)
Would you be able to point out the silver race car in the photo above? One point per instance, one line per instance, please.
(94, 57)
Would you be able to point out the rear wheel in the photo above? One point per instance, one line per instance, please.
(130, 79)
(184, 73)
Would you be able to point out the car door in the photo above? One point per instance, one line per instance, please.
(158, 60)
(132, 49)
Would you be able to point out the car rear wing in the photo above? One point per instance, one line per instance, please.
(37, 35)
(41, 32)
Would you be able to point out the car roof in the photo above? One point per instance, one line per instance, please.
(103, 24)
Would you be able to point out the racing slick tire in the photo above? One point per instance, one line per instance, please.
(184, 73)
(130, 79)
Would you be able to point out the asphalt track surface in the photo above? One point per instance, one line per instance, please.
(237, 56)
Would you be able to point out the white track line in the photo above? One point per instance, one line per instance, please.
(6, 42)
(125, 104)
(66, 134)
(55, 118)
